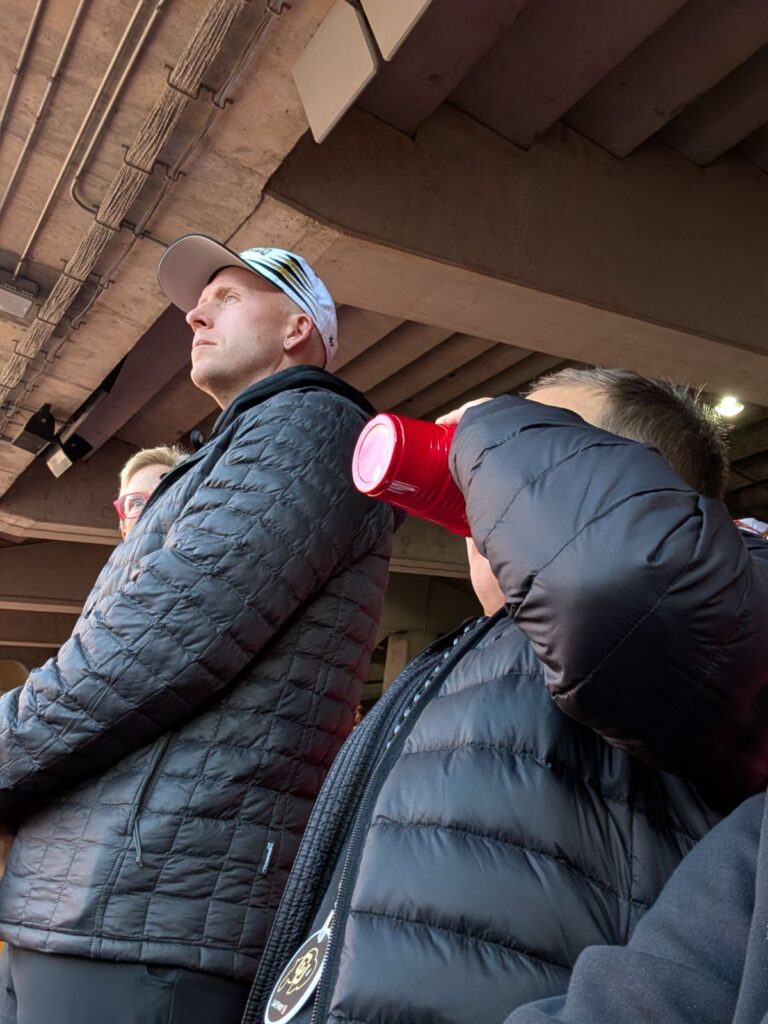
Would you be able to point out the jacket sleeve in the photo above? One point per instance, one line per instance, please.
(640, 597)
(275, 519)
(686, 962)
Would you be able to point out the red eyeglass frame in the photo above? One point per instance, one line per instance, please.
(117, 504)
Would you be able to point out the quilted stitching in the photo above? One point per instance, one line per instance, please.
(240, 615)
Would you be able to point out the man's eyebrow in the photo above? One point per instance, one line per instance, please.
(219, 290)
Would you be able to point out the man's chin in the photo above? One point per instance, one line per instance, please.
(203, 382)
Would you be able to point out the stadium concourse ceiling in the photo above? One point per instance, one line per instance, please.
(503, 187)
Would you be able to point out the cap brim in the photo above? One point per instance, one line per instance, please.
(188, 265)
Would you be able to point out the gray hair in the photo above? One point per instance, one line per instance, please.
(671, 417)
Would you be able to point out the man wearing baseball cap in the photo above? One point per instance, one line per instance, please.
(163, 764)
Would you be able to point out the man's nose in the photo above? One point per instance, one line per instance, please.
(199, 317)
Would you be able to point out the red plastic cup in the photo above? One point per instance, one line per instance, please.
(405, 463)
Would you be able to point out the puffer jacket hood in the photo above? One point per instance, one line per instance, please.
(474, 838)
(165, 762)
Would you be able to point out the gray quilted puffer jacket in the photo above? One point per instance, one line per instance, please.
(164, 763)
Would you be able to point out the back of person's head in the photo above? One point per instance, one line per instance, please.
(163, 455)
(671, 417)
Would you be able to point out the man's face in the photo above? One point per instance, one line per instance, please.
(240, 325)
(139, 486)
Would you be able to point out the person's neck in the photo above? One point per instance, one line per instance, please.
(224, 399)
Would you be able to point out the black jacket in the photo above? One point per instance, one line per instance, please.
(490, 837)
(699, 957)
(165, 762)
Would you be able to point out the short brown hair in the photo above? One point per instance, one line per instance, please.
(164, 455)
(671, 417)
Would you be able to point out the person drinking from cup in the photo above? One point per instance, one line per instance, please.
(527, 785)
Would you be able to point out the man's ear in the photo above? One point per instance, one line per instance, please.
(298, 332)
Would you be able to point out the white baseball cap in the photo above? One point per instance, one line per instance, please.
(190, 262)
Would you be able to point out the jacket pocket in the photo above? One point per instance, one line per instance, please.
(144, 793)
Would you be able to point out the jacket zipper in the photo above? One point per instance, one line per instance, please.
(359, 829)
(263, 983)
(145, 791)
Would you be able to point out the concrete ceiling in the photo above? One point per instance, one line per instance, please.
(524, 185)
(56, 191)
(619, 73)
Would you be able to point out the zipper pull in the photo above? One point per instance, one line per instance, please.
(297, 984)
(137, 843)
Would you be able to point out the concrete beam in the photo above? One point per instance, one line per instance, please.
(74, 507)
(749, 440)
(446, 389)
(438, 52)
(688, 55)
(750, 501)
(755, 148)
(29, 657)
(359, 329)
(552, 55)
(399, 282)
(423, 549)
(401, 647)
(749, 470)
(650, 263)
(723, 117)
(421, 373)
(404, 344)
(161, 353)
(176, 410)
(507, 382)
(31, 629)
(433, 606)
(40, 603)
(52, 577)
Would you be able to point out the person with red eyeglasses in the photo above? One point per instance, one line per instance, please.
(139, 477)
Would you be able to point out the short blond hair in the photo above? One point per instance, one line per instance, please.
(169, 455)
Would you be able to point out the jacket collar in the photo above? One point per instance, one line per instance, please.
(285, 380)
(255, 394)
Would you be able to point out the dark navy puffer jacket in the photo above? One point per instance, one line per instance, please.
(486, 836)
(165, 762)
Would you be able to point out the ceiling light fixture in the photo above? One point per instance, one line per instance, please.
(38, 431)
(73, 441)
(729, 406)
(64, 454)
(16, 295)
